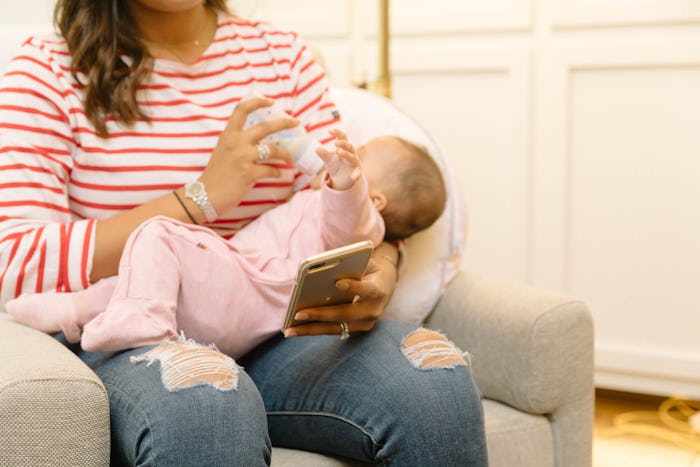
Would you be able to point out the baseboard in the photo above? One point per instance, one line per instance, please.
(647, 371)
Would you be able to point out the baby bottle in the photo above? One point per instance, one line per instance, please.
(296, 141)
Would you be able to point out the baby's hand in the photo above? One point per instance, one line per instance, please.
(343, 165)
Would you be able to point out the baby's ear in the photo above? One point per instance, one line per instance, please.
(378, 200)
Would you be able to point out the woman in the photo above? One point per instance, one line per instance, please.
(134, 112)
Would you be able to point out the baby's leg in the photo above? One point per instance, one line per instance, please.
(143, 306)
(65, 312)
(128, 323)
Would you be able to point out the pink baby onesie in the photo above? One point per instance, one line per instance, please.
(178, 277)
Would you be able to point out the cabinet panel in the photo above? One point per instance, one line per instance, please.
(475, 106)
(616, 193)
(420, 17)
(634, 234)
(596, 13)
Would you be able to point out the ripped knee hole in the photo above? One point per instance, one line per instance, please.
(185, 364)
(426, 349)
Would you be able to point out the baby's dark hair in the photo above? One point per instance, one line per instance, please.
(416, 194)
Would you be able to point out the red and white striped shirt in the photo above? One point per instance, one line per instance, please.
(57, 176)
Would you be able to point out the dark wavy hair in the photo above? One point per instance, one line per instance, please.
(98, 33)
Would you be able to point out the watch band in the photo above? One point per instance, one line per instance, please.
(197, 193)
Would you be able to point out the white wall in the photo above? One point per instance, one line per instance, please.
(30, 12)
(572, 128)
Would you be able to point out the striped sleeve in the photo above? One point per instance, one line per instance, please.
(42, 246)
(311, 101)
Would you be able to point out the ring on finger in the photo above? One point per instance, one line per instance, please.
(263, 152)
(344, 331)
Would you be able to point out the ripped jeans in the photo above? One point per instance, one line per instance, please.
(361, 398)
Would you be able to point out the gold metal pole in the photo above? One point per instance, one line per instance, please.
(382, 85)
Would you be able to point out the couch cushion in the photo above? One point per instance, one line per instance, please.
(282, 457)
(53, 408)
(517, 438)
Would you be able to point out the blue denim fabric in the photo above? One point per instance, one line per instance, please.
(359, 398)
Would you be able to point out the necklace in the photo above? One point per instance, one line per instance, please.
(187, 51)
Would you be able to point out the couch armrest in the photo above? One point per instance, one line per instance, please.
(53, 408)
(531, 349)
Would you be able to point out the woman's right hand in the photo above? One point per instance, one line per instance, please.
(233, 167)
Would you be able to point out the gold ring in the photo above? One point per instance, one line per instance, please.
(344, 331)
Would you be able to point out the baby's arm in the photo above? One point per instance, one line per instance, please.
(343, 165)
(348, 213)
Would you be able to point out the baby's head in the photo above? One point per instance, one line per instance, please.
(405, 185)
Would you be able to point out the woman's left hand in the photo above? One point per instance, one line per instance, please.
(372, 292)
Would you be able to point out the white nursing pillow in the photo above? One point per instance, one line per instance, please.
(433, 256)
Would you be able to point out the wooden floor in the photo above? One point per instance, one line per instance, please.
(638, 443)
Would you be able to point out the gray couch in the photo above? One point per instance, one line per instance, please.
(532, 355)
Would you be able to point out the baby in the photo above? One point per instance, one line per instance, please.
(179, 277)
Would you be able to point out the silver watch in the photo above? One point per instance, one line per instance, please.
(196, 192)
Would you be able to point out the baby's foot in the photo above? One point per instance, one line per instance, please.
(66, 312)
(49, 312)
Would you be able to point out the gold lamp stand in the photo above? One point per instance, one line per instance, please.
(382, 85)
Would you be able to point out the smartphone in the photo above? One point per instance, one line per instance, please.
(317, 275)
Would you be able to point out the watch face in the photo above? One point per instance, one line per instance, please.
(194, 189)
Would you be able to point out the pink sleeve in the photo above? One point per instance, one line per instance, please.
(349, 216)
